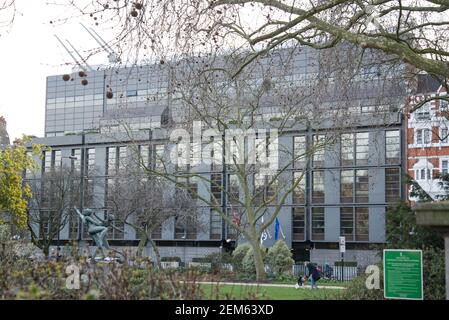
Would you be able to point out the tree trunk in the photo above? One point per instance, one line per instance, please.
(258, 261)
(156, 252)
(142, 243)
(46, 250)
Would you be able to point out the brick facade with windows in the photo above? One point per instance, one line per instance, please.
(427, 141)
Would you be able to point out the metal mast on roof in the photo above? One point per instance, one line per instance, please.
(73, 57)
(79, 55)
(112, 55)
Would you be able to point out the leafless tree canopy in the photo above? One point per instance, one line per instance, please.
(50, 209)
(415, 30)
(7, 13)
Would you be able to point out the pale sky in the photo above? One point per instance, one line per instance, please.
(29, 53)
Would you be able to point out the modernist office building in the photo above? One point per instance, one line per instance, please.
(347, 186)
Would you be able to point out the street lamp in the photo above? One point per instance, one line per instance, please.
(59, 216)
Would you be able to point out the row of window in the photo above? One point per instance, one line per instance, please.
(424, 136)
(183, 229)
(354, 148)
(354, 151)
(354, 183)
(354, 186)
(354, 225)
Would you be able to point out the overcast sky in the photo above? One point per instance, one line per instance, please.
(29, 53)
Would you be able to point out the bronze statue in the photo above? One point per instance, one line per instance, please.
(97, 228)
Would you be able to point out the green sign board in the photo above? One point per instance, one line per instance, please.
(403, 278)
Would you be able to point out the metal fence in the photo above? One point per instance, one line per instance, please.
(347, 273)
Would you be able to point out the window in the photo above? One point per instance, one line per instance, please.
(318, 223)
(144, 153)
(76, 163)
(361, 224)
(419, 136)
(185, 228)
(112, 161)
(423, 174)
(354, 147)
(444, 135)
(423, 113)
(264, 189)
(115, 159)
(299, 151)
(159, 157)
(347, 149)
(299, 192)
(52, 159)
(354, 186)
(47, 161)
(233, 189)
(362, 148)
(90, 161)
(347, 186)
(298, 224)
(361, 186)
(122, 153)
(354, 223)
(117, 232)
(73, 226)
(131, 93)
(157, 232)
(216, 187)
(423, 136)
(318, 152)
(392, 146)
(444, 166)
(57, 158)
(392, 185)
(89, 199)
(215, 225)
(347, 222)
(318, 187)
(236, 215)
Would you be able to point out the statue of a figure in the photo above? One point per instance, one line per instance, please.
(97, 228)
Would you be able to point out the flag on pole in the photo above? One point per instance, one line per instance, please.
(264, 234)
(276, 229)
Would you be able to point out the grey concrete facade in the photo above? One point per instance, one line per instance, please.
(83, 124)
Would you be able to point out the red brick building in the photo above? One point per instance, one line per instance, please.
(427, 138)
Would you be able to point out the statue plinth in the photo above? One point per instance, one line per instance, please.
(436, 216)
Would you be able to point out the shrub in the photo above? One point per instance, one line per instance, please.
(279, 258)
(216, 259)
(237, 256)
(248, 265)
(434, 274)
(357, 290)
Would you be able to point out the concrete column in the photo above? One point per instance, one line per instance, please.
(446, 250)
(436, 216)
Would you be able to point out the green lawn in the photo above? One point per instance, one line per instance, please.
(260, 292)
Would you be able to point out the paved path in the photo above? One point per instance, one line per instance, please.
(271, 285)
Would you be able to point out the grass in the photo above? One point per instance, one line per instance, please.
(322, 282)
(244, 292)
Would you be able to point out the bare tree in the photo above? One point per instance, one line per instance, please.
(50, 208)
(250, 173)
(7, 12)
(413, 31)
(146, 202)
